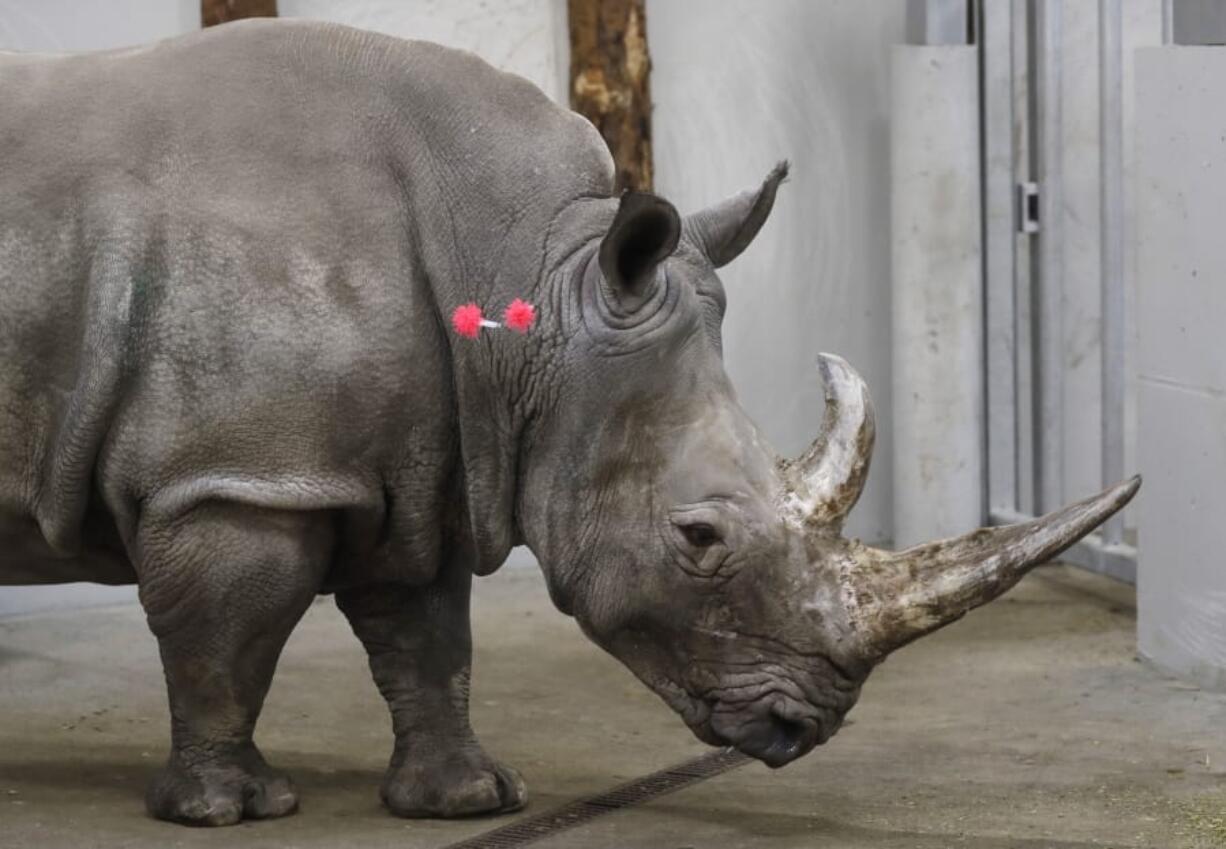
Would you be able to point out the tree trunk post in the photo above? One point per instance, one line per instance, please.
(609, 73)
(213, 12)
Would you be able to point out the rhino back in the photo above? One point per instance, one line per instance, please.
(221, 262)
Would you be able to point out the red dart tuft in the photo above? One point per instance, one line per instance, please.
(519, 315)
(467, 320)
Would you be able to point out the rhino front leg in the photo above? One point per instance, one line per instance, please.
(420, 649)
(222, 587)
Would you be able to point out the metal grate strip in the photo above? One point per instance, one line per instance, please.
(548, 823)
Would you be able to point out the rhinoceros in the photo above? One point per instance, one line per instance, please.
(227, 376)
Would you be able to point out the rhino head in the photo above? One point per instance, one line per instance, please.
(683, 544)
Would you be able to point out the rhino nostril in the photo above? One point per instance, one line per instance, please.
(791, 734)
(789, 740)
(766, 732)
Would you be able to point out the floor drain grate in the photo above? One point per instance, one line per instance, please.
(636, 792)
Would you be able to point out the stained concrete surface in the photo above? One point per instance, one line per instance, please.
(1029, 724)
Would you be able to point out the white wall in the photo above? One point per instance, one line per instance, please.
(738, 85)
(52, 26)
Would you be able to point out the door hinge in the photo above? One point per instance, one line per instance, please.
(1028, 207)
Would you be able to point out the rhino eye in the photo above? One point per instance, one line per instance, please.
(700, 535)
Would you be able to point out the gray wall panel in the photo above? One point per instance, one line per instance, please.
(1181, 262)
(937, 293)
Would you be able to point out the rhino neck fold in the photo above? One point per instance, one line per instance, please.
(502, 380)
(487, 174)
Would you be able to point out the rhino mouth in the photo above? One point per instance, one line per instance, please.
(769, 717)
(775, 714)
(773, 730)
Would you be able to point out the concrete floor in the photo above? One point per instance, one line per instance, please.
(1029, 724)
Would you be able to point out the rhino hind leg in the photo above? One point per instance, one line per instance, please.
(420, 648)
(222, 588)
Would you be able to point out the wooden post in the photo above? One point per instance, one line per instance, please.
(609, 70)
(213, 12)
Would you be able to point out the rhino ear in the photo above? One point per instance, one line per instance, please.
(643, 234)
(727, 228)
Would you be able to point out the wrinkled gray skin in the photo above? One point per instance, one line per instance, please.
(226, 374)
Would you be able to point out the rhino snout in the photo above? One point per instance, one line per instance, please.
(773, 730)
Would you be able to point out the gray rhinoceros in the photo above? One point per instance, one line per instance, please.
(226, 375)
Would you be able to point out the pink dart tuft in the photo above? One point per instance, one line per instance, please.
(467, 320)
(520, 315)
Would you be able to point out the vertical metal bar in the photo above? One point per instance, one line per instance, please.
(1111, 200)
(1200, 22)
(937, 22)
(999, 181)
(1023, 166)
(1048, 289)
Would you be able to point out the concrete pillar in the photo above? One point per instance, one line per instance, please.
(1181, 320)
(937, 309)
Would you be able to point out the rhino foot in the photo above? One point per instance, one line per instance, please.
(459, 785)
(221, 791)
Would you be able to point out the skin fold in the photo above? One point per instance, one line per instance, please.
(226, 262)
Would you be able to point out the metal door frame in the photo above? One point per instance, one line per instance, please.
(1021, 120)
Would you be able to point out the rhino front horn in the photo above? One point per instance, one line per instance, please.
(895, 597)
(826, 481)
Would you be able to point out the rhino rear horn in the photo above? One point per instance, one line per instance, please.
(825, 482)
(727, 228)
